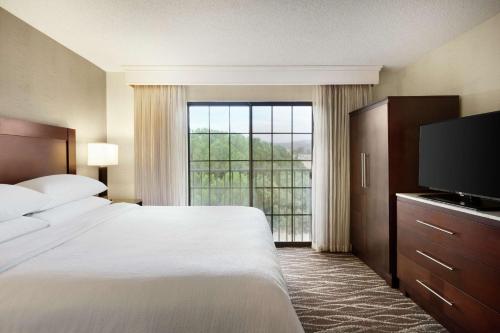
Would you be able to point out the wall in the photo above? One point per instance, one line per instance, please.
(42, 81)
(120, 117)
(468, 66)
(120, 124)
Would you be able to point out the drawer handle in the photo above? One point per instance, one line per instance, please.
(434, 293)
(434, 227)
(435, 260)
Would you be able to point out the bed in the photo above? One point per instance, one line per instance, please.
(126, 268)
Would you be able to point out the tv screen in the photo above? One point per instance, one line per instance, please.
(462, 155)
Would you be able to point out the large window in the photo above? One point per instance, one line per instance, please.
(254, 154)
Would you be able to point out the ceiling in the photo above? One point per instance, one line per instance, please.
(116, 33)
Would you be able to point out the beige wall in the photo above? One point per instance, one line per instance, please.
(120, 118)
(468, 66)
(120, 124)
(42, 81)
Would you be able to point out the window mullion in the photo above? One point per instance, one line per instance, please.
(250, 157)
(209, 159)
(272, 173)
(293, 178)
(229, 163)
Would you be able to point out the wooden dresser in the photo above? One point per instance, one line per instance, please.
(384, 161)
(449, 262)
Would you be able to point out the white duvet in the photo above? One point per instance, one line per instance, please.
(124, 268)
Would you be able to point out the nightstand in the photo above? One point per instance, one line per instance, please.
(132, 201)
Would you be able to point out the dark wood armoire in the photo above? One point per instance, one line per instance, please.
(384, 160)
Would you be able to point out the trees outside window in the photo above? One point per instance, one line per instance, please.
(254, 154)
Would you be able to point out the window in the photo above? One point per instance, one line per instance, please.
(254, 154)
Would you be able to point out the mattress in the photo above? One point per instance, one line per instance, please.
(125, 268)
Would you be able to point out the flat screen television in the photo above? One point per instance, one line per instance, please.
(462, 158)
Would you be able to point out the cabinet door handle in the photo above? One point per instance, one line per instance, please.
(365, 155)
(362, 170)
(435, 227)
(434, 293)
(435, 260)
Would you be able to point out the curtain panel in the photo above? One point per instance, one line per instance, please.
(161, 148)
(330, 181)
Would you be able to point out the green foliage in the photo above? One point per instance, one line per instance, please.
(229, 181)
(219, 147)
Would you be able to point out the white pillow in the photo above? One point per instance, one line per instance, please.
(71, 210)
(19, 227)
(65, 188)
(15, 201)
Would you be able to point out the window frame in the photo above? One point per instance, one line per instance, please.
(251, 160)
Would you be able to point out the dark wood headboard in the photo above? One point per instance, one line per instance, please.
(29, 150)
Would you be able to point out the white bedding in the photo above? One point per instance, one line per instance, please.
(124, 268)
(21, 226)
(71, 210)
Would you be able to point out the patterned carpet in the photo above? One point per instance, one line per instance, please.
(339, 293)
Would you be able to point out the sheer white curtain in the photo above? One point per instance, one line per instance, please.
(161, 153)
(330, 183)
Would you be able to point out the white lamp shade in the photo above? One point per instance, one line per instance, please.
(102, 154)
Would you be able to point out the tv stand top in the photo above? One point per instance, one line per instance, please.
(466, 201)
(423, 197)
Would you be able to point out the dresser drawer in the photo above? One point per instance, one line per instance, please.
(456, 309)
(464, 232)
(471, 276)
